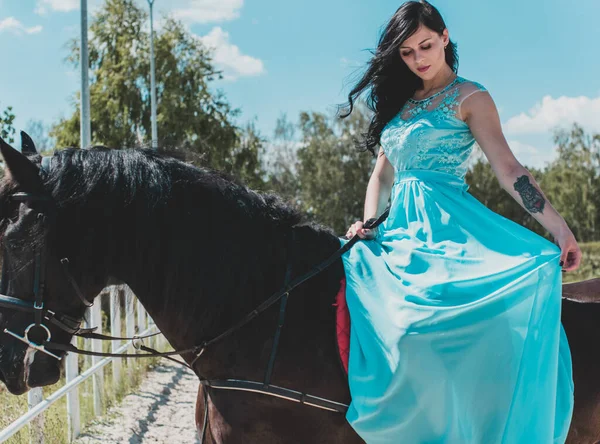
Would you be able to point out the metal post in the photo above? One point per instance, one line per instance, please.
(86, 127)
(153, 79)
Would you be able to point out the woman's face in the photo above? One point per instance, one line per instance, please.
(425, 48)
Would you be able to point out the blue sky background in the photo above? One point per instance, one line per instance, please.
(539, 59)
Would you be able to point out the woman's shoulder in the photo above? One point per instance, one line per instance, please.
(469, 86)
(467, 89)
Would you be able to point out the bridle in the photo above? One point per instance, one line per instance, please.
(41, 314)
(65, 322)
(72, 325)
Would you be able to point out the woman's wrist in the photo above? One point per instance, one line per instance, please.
(370, 221)
(563, 230)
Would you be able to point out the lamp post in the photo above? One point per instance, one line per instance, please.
(86, 131)
(153, 80)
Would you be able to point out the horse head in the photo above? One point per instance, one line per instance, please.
(38, 301)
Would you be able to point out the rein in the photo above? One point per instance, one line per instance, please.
(72, 325)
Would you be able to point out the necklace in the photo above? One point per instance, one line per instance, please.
(436, 94)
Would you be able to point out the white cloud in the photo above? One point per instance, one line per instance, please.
(530, 155)
(209, 11)
(561, 112)
(56, 5)
(11, 24)
(228, 56)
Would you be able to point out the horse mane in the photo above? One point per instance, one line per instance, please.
(144, 181)
(149, 177)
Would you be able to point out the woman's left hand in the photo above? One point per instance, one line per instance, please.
(570, 256)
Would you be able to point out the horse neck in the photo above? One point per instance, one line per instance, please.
(192, 301)
(195, 287)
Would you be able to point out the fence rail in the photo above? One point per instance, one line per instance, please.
(137, 322)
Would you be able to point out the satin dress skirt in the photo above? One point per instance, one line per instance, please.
(455, 324)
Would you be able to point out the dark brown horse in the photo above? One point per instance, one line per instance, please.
(200, 251)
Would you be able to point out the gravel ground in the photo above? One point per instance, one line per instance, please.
(161, 411)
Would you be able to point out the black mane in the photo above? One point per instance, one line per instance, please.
(149, 178)
(131, 192)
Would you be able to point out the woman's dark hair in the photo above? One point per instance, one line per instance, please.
(392, 82)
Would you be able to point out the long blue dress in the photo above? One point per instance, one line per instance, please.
(455, 310)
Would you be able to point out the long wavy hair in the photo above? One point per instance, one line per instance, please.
(391, 82)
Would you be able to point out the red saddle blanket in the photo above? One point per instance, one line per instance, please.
(342, 323)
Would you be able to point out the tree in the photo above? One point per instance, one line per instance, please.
(333, 174)
(573, 181)
(281, 161)
(7, 131)
(190, 117)
(246, 157)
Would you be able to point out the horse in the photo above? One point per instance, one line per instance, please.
(200, 250)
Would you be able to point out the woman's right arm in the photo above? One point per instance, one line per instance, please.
(377, 196)
(380, 186)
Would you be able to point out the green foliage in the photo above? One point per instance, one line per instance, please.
(7, 131)
(191, 118)
(117, 83)
(281, 161)
(332, 173)
(572, 182)
(245, 159)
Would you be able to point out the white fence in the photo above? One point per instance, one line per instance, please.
(137, 322)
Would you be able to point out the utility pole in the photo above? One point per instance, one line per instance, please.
(153, 79)
(86, 127)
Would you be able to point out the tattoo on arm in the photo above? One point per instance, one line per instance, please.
(532, 198)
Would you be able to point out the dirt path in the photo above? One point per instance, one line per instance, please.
(161, 411)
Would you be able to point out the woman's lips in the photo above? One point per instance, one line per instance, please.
(423, 69)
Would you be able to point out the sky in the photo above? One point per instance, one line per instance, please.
(539, 59)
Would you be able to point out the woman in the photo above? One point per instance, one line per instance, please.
(455, 310)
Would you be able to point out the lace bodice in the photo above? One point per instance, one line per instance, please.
(431, 133)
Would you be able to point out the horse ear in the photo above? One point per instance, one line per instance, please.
(27, 145)
(20, 169)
